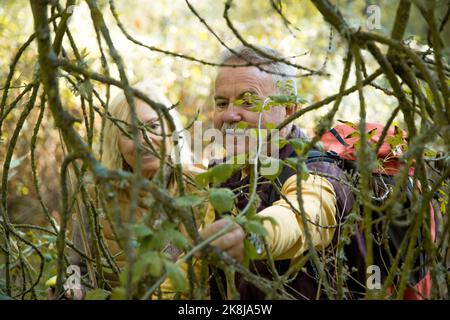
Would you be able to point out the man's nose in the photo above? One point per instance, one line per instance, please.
(232, 115)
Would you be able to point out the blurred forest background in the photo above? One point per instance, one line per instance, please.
(171, 25)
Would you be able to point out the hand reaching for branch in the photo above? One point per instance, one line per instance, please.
(231, 242)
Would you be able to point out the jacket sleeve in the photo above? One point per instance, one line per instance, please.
(287, 239)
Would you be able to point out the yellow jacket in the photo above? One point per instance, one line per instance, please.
(287, 239)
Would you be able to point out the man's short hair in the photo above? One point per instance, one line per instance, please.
(279, 70)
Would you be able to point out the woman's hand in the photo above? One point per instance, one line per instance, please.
(231, 242)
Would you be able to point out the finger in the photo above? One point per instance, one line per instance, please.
(237, 252)
(225, 242)
(230, 240)
(214, 228)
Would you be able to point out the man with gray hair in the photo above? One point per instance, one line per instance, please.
(266, 73)
(256, 73)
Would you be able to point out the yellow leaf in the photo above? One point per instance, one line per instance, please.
(24, 191)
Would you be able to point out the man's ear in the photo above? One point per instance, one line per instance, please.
(290, 110)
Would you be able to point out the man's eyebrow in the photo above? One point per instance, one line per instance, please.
(238, 97)
(220, 97)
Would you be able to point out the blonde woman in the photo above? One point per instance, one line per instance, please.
(119, 153)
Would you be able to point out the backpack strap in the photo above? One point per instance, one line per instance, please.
(318, 156)
(338, 137)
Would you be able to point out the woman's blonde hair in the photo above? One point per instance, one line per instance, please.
(119, 109)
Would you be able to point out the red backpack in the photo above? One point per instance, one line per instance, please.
(341, 143)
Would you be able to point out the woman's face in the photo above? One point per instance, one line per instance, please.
(150, 163)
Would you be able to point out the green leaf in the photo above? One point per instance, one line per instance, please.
(249, 252)
(271, 168)
(395, 141)
(97, 294)
(443, 207)
(298, 144)
(176, 237)
(281, 98)
(371, 133)
(154, 261)
(271, 104)
(300, 100)
(242, 125)
(283, 142)
(221, 172)
(139, 269)
(255, 226)
(319, 146)
(430, 153)
(156, 242)
(291, 162)
(51, 282)
(257, 108)
(350, 124)
(123, 276)
(118, 293)
(222, 199)
(354, 134)
(250, 97)
(239, 102)
(49, 238)
(141, 230)
(189, 201)
(176, 276)
(398, 131)
(202, 179)
(270, 126)
(304, 174)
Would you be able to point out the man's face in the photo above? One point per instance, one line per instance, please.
(232, 84)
